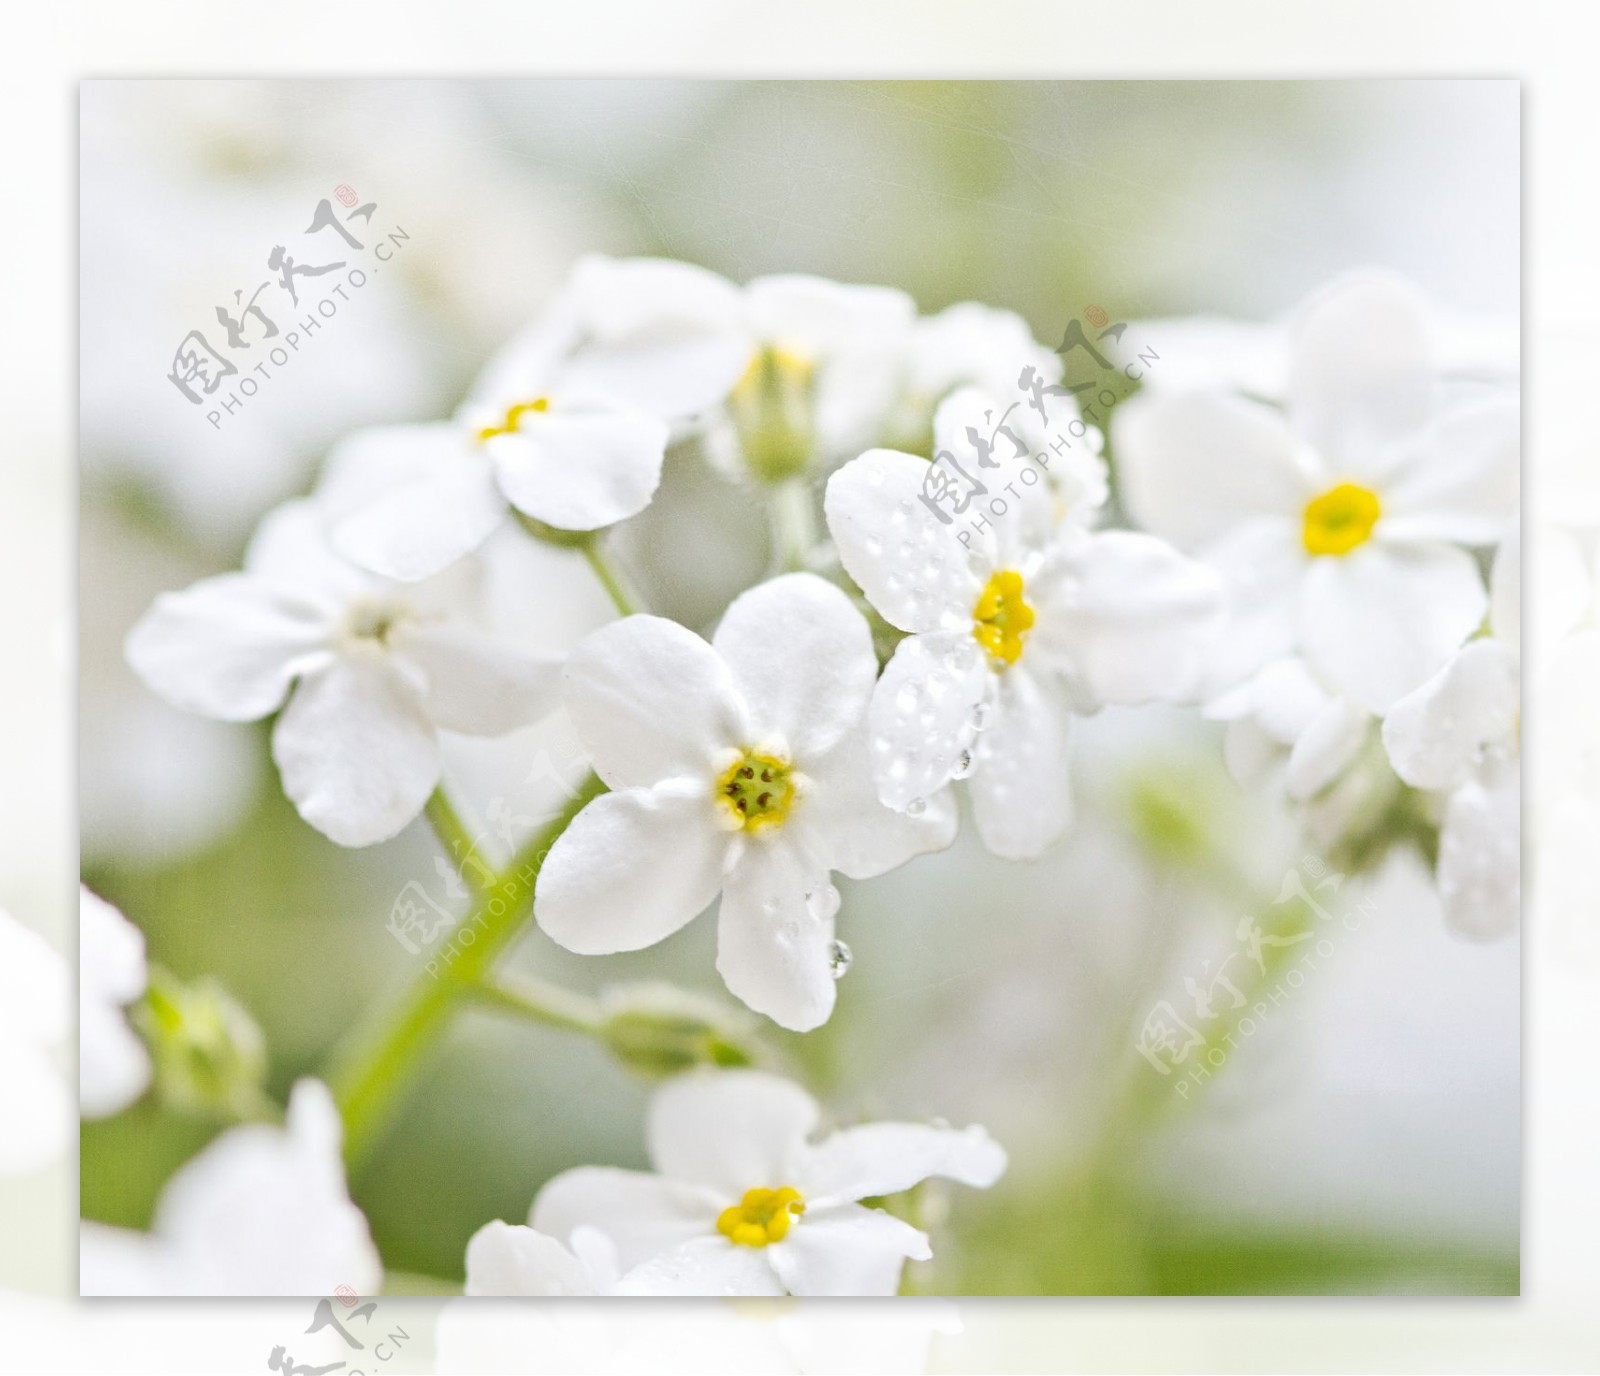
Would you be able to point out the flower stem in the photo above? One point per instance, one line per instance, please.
(451, 831)
(370, 1073)
(794, 525)
(538, 1000)
(612, 579)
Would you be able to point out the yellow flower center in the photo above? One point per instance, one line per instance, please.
(1340, 519)
(513, 418)
(1002, 617)
(762, 1216)
(757, 790)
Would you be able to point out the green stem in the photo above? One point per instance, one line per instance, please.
(540, 1001)
(794, 525)
(626, 601)
(369, 1075)
(451, 830)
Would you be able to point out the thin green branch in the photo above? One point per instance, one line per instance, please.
(612, 579)
(373, 1069)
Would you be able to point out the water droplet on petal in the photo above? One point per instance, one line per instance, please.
(963, 765)
(839, 958)
(916, 807)
(980, 716)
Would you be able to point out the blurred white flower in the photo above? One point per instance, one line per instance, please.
(1460, 734)
(371, 670)
(509, 1259)
(744, 1204)
(1284, 715)
(260, 1211)
(1337, 524)
(1013, 628)
(965, 345)
(35, 998)
(822, 372)
(113, 1064)
(738, 767)
(568, 424)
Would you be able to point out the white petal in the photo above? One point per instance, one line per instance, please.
(1194, 465)
(113, 1065)
(631, 869)
(290, 549)
(357, 756)
(1461, 483)
(1021, 790)
(264, 1210)
(853, 831)
(1263, 565)
(847, 1251)
(665, 336)
(652, 701)
(1377, 622)
(801, 655)
(1480, 865)
(1362, 366)
(120, 1261)
(1326, 748)
(1284, 699)
(643, 1214)
(431, 513)
(473, 684)
(706, 1266)
(913, 568)
(886, 1158)
(506, 1259)
(1434, 735)
(581, 471)
(1128, 618)
(924, 714)
(775, 934)
(730, 1130)
(228, 647)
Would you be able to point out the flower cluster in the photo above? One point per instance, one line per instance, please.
(1304, 567)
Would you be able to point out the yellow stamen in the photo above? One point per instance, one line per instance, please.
(758, 790)
(1002, 617)
(762, 1216)
(1340, 519)
(513, 418)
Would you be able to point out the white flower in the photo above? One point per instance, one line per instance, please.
(508, 1259)
(261, 1211)
(742, 1203)
(823, 369)
(371, 670)
(113, 1065)
(1459, 734)
(974, 345)
(1285, 715)
(568, 425)
(736, 767)
(1338, 521)
(35, 995)
(1016, 621)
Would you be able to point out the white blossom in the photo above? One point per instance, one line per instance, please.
(1014, 625)
(1459, 734)
(736, 767)
(366, 670)
(1338, 521)
(113, 1064)
(260, 1211)
(742, 1202)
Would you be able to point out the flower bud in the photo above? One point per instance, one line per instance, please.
(660, 1030)
(209, 1054)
